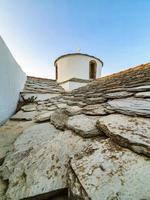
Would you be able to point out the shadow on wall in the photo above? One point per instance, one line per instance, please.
(12, 80)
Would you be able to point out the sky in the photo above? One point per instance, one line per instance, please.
(39, 31)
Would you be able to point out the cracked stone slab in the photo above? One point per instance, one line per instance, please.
(42, 107)
(43, 117)
(83, 125)
(73, 110)
(52, 108)
(127, 131)
(95, 100)
(59, 119)
(20, 115)
(139, 88)
(39, 162)
(143, 95)
(105, 171)
(8, 134)
(131, 106)
(118, 95)
(96, 109)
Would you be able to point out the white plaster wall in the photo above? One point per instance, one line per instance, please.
(76, 66)
(70, 85)
(12, 80)
(65, 86)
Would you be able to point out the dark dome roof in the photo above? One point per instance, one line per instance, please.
(74, 54)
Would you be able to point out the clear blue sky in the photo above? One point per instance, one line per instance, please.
(38, 31)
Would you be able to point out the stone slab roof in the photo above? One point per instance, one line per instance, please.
(93, 142)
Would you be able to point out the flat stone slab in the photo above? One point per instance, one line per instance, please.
(83, 125)
(105, 171)
(3, 188)
(51, 108)
(43, 117)
(127, 131)
(8, 134)
(139, 88)
(143, 95)
(73, 110)
(131, 106)
(29, 108)
(59, 119)
(118, 95)
(20, 115)
(39, 97)
(35, 136)
(42, 107)
(39, 162)
(95, 100)
(96, 109)
(61, 105)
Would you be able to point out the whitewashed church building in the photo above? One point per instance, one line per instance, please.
(76, 70)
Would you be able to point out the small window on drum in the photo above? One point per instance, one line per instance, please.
(92, 69)
(56, 71)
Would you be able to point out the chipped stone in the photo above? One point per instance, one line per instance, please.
(59, 119)
(131, 106)
(127, 131)
(43, 117)
(73, 110)
(40, 161)
(95, 109)
(109, 172)
(20, 115)
(83, 125)
(118, 95)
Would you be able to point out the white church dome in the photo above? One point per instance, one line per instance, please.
(77, 66)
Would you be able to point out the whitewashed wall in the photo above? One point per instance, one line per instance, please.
(76, 66)
(71, 85)
(12, 80)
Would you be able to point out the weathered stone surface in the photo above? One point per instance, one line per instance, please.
(42, 107)
(139, 88)
(118, 95)
(95, 100)
(43, 117)
(73, 110)
(20, 115)
(39, 97)
(35, 136)
(8, 134)
(51, 108)
(61, 105)
(40, 160)
(130, 132)
(59, 119)
(131, 106)
(96, 109)
(36, 164)
(143, 95)
(83, 125)
(105, 171)
(29, 108)
(3, 188)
